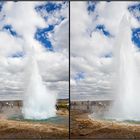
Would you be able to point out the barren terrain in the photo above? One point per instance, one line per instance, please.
(24, 129)
(84, 127)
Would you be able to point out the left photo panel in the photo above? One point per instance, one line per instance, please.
(34, 69)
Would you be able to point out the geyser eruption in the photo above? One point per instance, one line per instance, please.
(39, 102)
(127, 89)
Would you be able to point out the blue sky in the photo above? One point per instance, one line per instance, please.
(41, 34)
(92, 45)
(86, 59)
(50, 8)
(91, 6)
(132, 9)
(44, 26)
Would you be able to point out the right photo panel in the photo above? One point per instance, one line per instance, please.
(105, 69)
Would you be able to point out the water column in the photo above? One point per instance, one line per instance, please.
(39, 102)
(127, 79)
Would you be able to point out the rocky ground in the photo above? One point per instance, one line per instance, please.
(84, 127)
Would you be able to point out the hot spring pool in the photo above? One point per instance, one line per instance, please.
(124, 121)
(115, 120)
(62, 120)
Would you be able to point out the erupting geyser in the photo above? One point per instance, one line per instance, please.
(127, 80)
(39, 102)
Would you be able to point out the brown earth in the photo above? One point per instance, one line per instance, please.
(12, 129)
(84, 127)
(16, 129)
(63, 112)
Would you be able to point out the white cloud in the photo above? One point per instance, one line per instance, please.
(62, 44)
(53, 66)
(89, 47)
(8, 44)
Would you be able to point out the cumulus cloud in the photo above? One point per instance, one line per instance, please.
(8, 44)
(53, 65)
(62, 44)
(92, 46)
